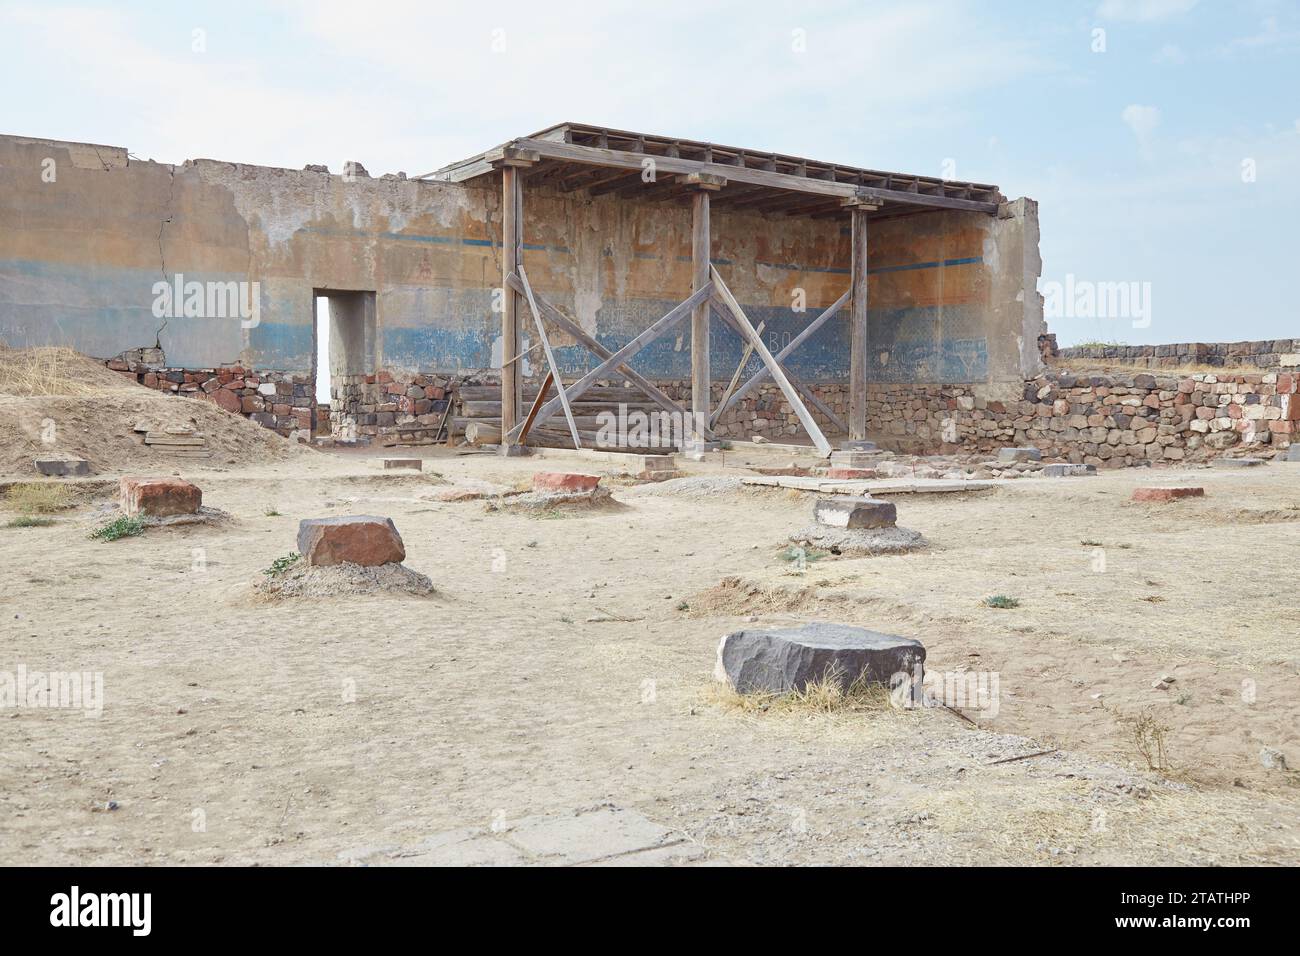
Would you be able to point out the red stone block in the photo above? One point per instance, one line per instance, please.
(1166, 494)
(356, 539)
(159, 497)
(563, 481)
(851, 473)
(250, 404)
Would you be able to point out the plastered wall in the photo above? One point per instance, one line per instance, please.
(86, 235)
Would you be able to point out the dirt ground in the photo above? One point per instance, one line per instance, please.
(241, 730)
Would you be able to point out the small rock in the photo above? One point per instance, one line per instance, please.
(1272, 759)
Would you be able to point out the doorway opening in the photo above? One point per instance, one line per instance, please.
(343, 330)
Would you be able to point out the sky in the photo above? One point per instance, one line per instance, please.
(1161, 138)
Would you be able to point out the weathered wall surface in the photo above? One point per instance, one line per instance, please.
(80, 256)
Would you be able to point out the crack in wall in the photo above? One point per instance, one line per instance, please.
(162, 256)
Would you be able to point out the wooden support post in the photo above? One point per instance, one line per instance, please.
(512, 379)
(701, 377)
(858, 325)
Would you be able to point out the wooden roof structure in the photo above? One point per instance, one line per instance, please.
(599, 160)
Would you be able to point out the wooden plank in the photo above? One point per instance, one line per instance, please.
(858, 329)
(731, 386)
(550, 355)
(623, 159)
(763, 374)
(605, 392)
(669, 321)
(511, 257)
(778, 375)
(537, 405)
(701, 375)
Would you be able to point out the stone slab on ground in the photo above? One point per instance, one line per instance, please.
(564, 481)
(779, 660)
(602, 836)
(1019, 454)
(1293, 453)
(592, 837)
(867, 487)
(366, 540)
(62, 467)
(1237, 462)
(893, 540)
(845, 512)
(1068, 470)
(394, 464)
(853, 459)
(159, 497)
(1166, 494)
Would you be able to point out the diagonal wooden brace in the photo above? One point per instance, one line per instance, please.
(578, 332)
(759, 377)
(550, 361)
(746, 330)
(669, 321)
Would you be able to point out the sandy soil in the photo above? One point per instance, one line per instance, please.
(56, 403)
(304, 731)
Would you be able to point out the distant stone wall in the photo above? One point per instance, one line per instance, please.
(1265, 354)
(1107, 420)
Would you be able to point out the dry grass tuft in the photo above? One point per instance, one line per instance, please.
(54, 370)
(1149, 735)
(826, 697)
(38, 498)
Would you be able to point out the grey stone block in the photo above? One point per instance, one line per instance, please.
(1068, 470)
(1293, 453)
(62, 467)
(858, 444)
(1019, 454)
(844, 512)
(414, 464)
(785, 659)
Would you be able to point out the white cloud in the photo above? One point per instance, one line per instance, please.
(1171, 54)
(412, 85)
(1142, 120)
(1143, 11)
(1270, 36)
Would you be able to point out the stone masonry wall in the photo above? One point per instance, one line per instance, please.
(280, 401)
(390, 407)
(1103, 420)
(1266, 354)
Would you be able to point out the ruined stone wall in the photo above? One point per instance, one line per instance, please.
(1110, 420)
(81, 254)
(1265, 354)
(281, 401)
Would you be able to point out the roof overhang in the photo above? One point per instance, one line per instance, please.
(571, 156)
